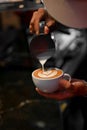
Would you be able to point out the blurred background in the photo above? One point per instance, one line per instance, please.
(17, 91)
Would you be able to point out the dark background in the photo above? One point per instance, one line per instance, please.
(18, 111)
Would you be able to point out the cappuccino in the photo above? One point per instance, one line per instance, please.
(48, 80)
(48, 74)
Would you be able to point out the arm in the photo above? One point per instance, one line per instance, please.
(67, 90)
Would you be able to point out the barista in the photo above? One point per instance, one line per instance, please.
(71, 14)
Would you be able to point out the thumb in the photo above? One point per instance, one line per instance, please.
(46, 29)
(64, 84)
(50, 25)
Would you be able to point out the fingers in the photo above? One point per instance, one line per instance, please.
(35, 20)
(56, 95)
(34, 23)
(41, 14)
(50, 25)
(46, 30)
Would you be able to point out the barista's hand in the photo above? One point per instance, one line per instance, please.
(67, 90)
(41, 14)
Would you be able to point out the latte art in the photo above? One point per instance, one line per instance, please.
(53, 73)
(47, 74)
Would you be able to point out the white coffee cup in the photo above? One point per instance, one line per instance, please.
(49, 81)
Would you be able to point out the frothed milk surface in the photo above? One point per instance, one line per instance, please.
(52, 73)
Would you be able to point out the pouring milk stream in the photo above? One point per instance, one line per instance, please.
(43, 57)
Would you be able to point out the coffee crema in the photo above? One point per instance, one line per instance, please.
(52, 73)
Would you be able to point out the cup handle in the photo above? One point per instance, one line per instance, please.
(67, 77)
